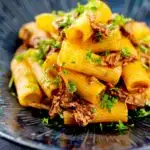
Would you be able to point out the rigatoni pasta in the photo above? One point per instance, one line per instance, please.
(86, 66)
(27, 86)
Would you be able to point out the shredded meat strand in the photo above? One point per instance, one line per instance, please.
(112, 60)
(138, 99)
(64, 100)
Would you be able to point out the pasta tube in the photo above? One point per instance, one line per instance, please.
(137, 30)
(27, 87)
(135, 76)
(102, 12)
(125, 43)
(80, 30)
(118, 112)
(45, 22)
(50, 63)
(45, 79)
(111, 42)
(74, 58)
(89, 88)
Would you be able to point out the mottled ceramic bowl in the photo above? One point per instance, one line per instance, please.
(23, 125)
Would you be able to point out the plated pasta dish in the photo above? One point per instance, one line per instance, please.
(88, 65)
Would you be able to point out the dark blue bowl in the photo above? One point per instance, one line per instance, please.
(24, 125)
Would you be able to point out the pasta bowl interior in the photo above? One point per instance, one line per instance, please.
(70, 78)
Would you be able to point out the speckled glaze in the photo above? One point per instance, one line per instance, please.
(23, 125)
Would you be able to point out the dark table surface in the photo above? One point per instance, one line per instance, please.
(8, 145)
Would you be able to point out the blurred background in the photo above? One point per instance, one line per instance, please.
(138, 9)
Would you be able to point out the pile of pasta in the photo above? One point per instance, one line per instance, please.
(87, 65)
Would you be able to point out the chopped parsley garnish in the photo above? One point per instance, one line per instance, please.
(11, 82)
(93, 5)
(73, 62)
(143, 113)
(43, 48)
(65, 71)
(114, 89)
(105, 53)
(61, 115)
(108, 101)
(45, 121)
(121, 127)
(101, 126)
(98, 36)
(13, 94)
(63, 64)
(19, 57)
(148, 103)
(93, 110)
(66, 22)
(80, 9)
(71, 86)
(120, 20)
(143, 48)
(125, 52)
(57, 80)
(89, 57)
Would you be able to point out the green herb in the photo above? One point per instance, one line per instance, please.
(125, 52)
(120, 20)
(98, 36)
(66, 22)
(60, 13)
(107, 52)
(121, 127)
(63, 64)
(110, 125)
(143, 113)
(111, 26)
(93, 5)
(61, 115)
(65, 72)
(57, 80)
(73, 62)
(101, 126)
(44, 45)
(72, 87)
(143, 48)
(45, 121)
(80, 9)
(11, 82)
(19, 57)
(13, 94)
(114, 89)
(43, 48)
(108, 101)
(148, 103)
(89, 57)
(93, 110)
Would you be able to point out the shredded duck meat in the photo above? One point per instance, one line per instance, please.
(126, 60)
(64, 100)
(98, 28)
(112, 60)
(145, 59)
(138, 99)
(115, 59)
